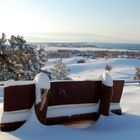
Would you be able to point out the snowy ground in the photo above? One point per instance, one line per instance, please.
(113, 127)
(122, 68)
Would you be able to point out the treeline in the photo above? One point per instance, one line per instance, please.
(93, 54)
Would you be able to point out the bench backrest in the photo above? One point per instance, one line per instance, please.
(74, 92)
(19, 97)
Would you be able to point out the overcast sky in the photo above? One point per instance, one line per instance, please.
(72, 20)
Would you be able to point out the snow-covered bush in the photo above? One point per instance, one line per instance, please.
(59, 70)
(137, 74)
(81, 61)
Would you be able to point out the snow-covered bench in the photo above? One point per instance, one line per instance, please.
(67, 102)
(18, 99)
(77, 101)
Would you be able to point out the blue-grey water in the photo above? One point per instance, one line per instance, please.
(125, 46)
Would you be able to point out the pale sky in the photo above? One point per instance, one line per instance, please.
(72, 20)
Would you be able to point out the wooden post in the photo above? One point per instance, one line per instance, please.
(105, 100)
(107, 92)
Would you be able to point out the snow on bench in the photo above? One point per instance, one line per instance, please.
(59, 102)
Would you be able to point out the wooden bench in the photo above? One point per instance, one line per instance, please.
(77, 101)
(18, 100)
(67, 102)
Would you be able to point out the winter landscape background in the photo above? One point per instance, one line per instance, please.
(98, 36)
(126, 126)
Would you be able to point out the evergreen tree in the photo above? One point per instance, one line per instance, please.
(59, 70)
(19, 61)
(17, 43)
(3, 42)
(42, 56)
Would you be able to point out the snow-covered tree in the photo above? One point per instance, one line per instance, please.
(3, 42)
(19, 60)
(59, 70)
(42, 56)
(17, 43)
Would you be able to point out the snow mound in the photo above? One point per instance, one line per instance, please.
(12, 82)
(106, 79)
(32, 121)
(42, 81)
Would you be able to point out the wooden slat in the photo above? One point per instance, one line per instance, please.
(117, 91)
(74, 92)
(19, 97)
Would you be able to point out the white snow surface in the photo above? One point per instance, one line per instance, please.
(74, 109)
(41, 81)
(126, 126)
(69, 110)
(16, 83)
(13, 116)
(106, 79)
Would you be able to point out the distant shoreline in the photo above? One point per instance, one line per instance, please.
(91, 46)
(71, 50)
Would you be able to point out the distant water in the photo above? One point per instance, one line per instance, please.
(123, 46)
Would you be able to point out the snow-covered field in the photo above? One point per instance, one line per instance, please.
(122, 68)
(113, 127)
